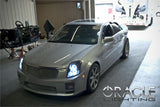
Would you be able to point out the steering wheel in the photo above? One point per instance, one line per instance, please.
(19, 24)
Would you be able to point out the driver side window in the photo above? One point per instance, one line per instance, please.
(107, 31)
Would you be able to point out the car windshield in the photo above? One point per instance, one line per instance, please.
(78, 34)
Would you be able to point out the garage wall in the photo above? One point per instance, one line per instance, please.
(58, 13)
(12, 10)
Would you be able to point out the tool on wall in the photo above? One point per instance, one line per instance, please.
(48, 27)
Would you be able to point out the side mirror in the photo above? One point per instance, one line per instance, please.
(108, 39)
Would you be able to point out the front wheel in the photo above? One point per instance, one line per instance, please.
(93, 78)
(125, 50)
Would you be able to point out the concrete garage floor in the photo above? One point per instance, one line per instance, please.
(148, 75)
(120, 74)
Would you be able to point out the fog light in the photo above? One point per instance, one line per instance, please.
(69, 86)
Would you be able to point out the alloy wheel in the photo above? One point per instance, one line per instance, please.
(94, 77)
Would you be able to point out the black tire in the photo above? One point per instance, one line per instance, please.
(93, 78)
(151, 22)
(126, 50)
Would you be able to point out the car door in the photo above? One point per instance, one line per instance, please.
(118, 36)
(108, 48)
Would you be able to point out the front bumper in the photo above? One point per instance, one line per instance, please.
(55, 87)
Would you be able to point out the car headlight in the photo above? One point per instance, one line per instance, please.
(20, 63)
(74, 69)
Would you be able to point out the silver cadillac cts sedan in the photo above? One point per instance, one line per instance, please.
(73, 60)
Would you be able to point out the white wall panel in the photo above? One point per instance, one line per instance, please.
(12, 10)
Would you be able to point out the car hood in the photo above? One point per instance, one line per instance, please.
(56, 54)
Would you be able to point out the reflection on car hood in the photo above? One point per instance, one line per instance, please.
(56, 54)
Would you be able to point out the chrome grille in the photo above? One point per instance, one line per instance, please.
(40, 72)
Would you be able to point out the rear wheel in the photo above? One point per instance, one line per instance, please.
(125, 50)
(93, 78)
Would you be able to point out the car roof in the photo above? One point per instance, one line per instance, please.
(85, 22)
